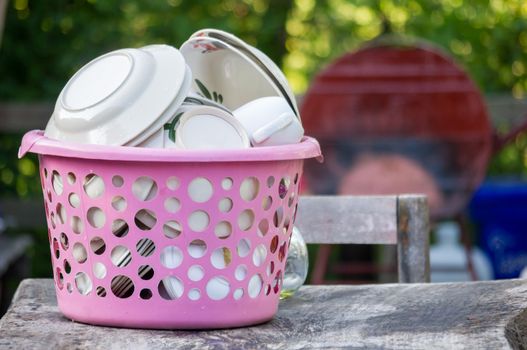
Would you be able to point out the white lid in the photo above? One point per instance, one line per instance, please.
(117, 96)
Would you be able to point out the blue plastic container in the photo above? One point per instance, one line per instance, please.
(499, 209)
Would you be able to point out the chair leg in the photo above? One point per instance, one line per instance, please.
(321, 264)
(465, 239)
(413, 239)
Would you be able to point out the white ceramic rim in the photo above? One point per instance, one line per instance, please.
(208, 110)
(170, 111)
(170, 70)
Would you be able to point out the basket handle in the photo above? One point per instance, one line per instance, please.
(29, 139)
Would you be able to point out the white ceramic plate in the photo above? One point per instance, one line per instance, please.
(223, 74)
(258, 57)
(148, 138)
(116, 97)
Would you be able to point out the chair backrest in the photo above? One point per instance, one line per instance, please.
(402, 220)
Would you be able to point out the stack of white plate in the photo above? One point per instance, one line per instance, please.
(121, 98)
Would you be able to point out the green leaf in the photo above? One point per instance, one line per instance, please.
(171, 127)
(203, 89)
(220, 98)
(215, 96)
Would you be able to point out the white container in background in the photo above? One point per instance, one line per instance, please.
(448, 259)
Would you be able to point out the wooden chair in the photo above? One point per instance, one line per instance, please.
(401, 220)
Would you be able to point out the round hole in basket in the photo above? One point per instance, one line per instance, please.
(145, 219)
(67, 266)
(121, 256)
(246, 219)
(145, 294)
(145, 272)
(61, 213)
(238, 294)
(99, 270)
(83, 283)
(56, 249)
(117, 181)
(263, 227)
(249, 188)
(194, 294)
(77, 226)
(93, 186)
(225, 205)
(172, 229)
(120, 228)
(122, 286)
(96, 217)
(119, 203)
(198, 220)
(98, 246)
(255, 285)
(195, 273)
(145, 247)
(223, 229)
(64, 241)
(240, 273)
(74, 200)
(171, 257)
(200, 190)
(71, 178)
(56, 183)
(221, 258)
(79, 253)
(144, 188)
(226, 183)
(172, 204)
(170, 288)
(243, 248)
(197, 248)
(100, 291)
(218, 288)
(267, 202)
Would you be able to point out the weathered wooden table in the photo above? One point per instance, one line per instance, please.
(477, 315)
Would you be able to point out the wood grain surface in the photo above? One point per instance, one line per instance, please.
(475, 315)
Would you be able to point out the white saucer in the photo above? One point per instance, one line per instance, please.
(117, 96)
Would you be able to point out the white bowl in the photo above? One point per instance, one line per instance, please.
(206, 127)
(258, 57)
(224, 74)
(118, 96)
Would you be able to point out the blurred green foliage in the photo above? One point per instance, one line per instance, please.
(489, 38)
(45, 42)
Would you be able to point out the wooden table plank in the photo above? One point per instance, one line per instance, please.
(478, 315)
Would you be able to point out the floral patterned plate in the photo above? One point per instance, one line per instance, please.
(223, 74)
(258, 57)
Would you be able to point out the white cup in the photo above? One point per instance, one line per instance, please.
(270, 121)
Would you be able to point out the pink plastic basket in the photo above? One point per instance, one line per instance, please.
(158, 238)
